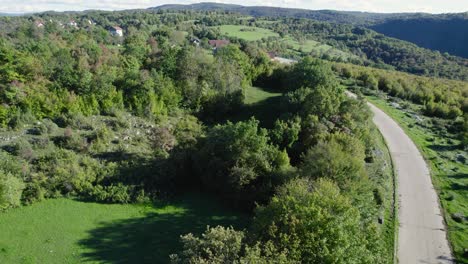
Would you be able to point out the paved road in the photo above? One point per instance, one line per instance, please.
(422, 236)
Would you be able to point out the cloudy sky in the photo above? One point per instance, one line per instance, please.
(430, 6)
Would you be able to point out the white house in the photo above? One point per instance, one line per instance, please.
(39, 24)
(116, 31)
(73, 23)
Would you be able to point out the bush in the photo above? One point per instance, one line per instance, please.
(117, 193)
(21, 119)
(71, 140)
(217, 245)
(11, 189)
(226, 245)
(22, 148)
(47, 126)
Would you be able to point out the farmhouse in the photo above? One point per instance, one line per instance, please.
(39, 24)
(72, 23)
(116, 31)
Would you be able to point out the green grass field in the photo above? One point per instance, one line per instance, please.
(255, 95)
(308, 46)
(265, 106)
(449, 175)
(253, 33)
(69, 231)
(312, 46)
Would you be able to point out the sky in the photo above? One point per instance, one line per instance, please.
(381, 6)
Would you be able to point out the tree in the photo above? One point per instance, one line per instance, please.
(11, 189)
(217, 245)
(311, 73)
(340, 158)
(285, 133)
(8, 71)
(324, 101)
(136, 45)
(231, 54)
(235, 160)
(314, 223)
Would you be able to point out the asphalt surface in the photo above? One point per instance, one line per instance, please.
(422, 236)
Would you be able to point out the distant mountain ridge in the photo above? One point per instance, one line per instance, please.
(442, 32)
(11, 14)
(323, 15)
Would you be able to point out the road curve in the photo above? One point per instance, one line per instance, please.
(422, 236)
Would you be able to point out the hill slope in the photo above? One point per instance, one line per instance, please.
(445, 32)
(346, 17)
(448, 34)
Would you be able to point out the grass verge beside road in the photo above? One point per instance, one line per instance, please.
(449, 173)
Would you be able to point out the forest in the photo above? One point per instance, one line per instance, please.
(153, 115)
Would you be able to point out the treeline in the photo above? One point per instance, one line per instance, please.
(440, 98)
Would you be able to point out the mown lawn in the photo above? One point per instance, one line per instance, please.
(246, 32)
(70, 231)
(449, 175)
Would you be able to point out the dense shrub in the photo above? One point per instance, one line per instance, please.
(11, 189)
(236, 161)
(225, 245)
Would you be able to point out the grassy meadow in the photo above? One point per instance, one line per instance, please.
(246, 32)
(249, 33)
(70, 231)
(255, 95)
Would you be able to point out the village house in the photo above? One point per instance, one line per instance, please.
(73, 23)
(39, 24)
(116, 31)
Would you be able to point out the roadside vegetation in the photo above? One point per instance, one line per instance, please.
(439, 134)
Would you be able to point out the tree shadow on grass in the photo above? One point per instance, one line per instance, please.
(153, 237)
(458, 176)
(266, 111)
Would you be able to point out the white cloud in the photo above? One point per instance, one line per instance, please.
(433, 6)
